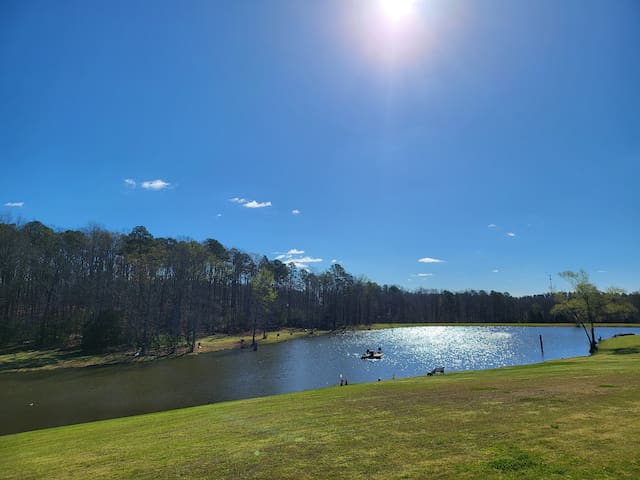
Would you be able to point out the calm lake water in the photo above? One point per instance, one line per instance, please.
(34, 400)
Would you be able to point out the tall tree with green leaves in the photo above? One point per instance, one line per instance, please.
(587, 305)
(264, 295)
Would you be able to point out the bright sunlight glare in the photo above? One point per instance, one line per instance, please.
(397, 9)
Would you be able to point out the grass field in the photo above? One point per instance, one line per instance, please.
(570, 419)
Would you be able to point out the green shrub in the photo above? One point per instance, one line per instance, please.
(102, 331)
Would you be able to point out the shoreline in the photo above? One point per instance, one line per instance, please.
(613, 345)
(526, 422)
(17, 360)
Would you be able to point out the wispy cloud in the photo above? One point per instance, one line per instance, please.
(603, 271)
(492, 225)
(254, 204)
(511, 234)
(303, 260)
(424, 275)
(289, 254)
(294, 257)
(495, 270)
(155, 184)
(14, 204)
(249, 204)
(430, 260)
(295, 211)
(130, 182)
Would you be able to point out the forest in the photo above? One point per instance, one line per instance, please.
(101, 290)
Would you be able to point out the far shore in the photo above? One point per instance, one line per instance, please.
(378, 326)
(20, 359)
(17, 359)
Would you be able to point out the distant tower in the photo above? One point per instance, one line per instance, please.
(550, 285)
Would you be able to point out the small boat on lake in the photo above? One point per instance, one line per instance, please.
(371, 355)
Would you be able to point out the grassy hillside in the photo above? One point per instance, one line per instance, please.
(576, 418)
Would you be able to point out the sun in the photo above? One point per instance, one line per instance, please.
(397, 9)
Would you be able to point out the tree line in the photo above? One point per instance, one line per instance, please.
(103, 289)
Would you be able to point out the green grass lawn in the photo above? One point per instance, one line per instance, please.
(568, 419)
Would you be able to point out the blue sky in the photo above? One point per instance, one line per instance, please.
(498, 141)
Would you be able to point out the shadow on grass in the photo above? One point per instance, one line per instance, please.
(625, 350)
(18, 359)
(517, 461)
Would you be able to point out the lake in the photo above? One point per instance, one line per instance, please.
(33, 400)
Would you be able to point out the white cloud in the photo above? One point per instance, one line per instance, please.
(495, 270)
(333, 260)
(293, 257)
(424, 275)
(492, 225)
(301, 262)
(307, 260)
(155, 184)
(249, 204)
(603, 271)
(130, 182)
(511, 234)
(295, 211)
(430, 260)
(254, 204)
(14, 204)
(218, 215)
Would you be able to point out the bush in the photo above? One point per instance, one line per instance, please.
(102, 331)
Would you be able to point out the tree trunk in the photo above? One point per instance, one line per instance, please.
(253, 338)
(593, 344)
